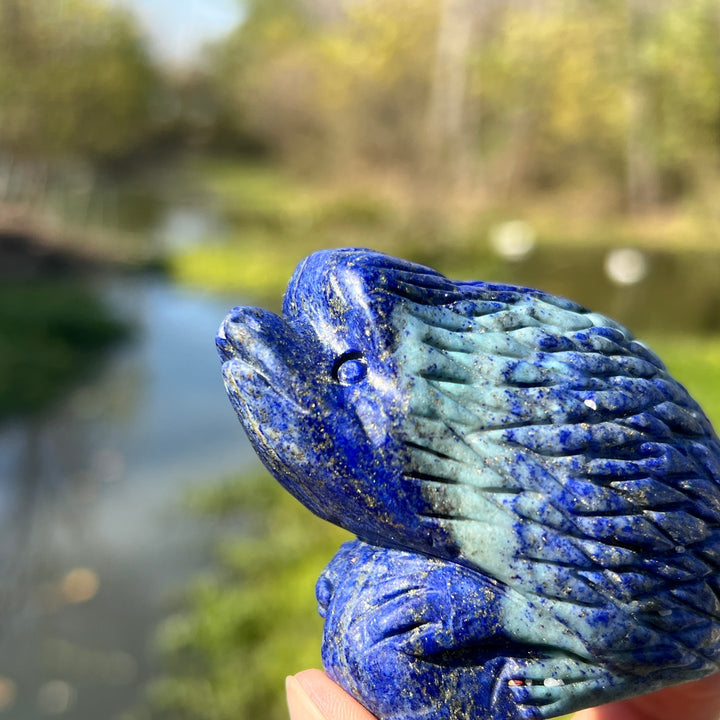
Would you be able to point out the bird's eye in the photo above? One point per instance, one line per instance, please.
(349, 368)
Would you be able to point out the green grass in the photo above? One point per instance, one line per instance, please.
(254, 621)
(276, 218)
(695, 362)
(272, 198)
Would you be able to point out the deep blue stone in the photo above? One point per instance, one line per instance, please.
(536, 500)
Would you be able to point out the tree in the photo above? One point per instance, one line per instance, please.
(447, 113)
(621, 96)
(642, 171)
(75, 81)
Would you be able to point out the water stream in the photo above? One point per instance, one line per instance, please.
(94, 540)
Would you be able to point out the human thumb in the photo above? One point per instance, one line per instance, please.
(311, 695)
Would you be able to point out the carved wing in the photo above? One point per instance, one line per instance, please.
(559, 455)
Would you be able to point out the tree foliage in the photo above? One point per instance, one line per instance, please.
(553, 91)
(75, 81)
(622, 95)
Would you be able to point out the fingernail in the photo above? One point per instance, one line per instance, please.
(300, 705)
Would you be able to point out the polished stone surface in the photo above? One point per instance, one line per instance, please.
(536, 500)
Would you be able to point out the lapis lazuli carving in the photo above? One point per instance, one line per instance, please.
(536, 500)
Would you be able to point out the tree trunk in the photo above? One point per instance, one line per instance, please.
(449, 153)
(642, 183)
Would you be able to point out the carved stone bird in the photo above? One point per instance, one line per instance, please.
(536, 500)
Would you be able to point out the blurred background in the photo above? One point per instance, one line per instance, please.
(161, 162)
